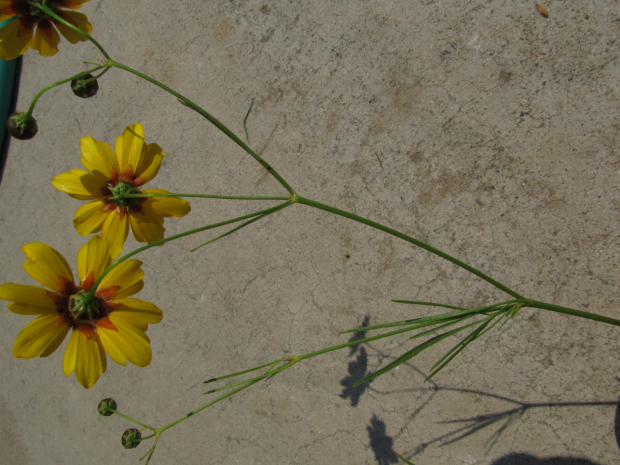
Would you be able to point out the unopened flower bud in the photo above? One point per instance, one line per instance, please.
(21, 126)
(84, 89)
(131, 438)
(105, 405)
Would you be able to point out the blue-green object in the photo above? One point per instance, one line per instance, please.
(7, 78)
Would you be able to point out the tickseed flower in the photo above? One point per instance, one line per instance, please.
(110, 178)
(111, 322)
(33, 28)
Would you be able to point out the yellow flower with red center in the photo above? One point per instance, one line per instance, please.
(111, 322)
(110, 177)
(33, 28)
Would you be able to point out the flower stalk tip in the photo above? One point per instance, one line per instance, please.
(106, 407)
(131, 438)
(22, 126)
(85, 86)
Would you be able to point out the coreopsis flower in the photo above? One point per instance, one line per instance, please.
(110, 322)
(33, 28)
(110, 178)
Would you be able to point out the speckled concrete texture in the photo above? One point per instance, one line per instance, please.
(479, 127)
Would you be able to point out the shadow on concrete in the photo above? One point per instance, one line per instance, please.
(357, 369)
(465, 427)
(381, 443)
(357, 336)
(527, 459)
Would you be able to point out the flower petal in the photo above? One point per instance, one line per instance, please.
(12, 46)
(125, 276)
(129, 147)
(98, 158)
(40, 337)
(127, 342)
(79, 184)
(6, 10)
(168, 206)
(150, 163)
(138, 312)
(45, 265)
(78, 19)
(27, 295)
(115, 230)
(94, 256)
(46, 39)
(85, 356)
(146, 228)
(89, 218)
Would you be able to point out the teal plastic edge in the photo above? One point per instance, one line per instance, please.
(7, 78)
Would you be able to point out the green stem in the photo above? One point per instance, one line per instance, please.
(571, 311)
(129, 418)
(49, 12)
(127, 256)
(193, 412)
(187, 102)
(205, 196)
(51, 86)
(400, 235)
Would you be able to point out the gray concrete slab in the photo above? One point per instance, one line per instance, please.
(496, 131)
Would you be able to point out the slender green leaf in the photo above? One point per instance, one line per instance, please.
(219, 378)
(403, 459)
(413, 352)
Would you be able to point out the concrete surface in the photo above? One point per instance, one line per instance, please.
(497, 131)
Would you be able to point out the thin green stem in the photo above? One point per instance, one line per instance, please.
(129, 418)
(51, 86)
(204, 196)
(193, 412)
(236, 228)
(127, 256)
(400, 235)
(49, 12)
(571, 311)
(187, 102)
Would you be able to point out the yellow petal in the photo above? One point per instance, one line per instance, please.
(129, 147)
(41, 43)
(45, 265)
(115, 230)
(29, 300)
(150, 163)
(82, 23)
(138, 312)
(98, 158)
(128, 342)
(40, 337)
(5, 16)
(86, 357)
(146, 228)
(30, 295)
(79, 184)
(168, 206)
(94, 256)
(89, 218)
(74, 4)
(125, 275)
(12, 46)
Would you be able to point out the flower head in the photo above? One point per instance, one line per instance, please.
(110, 179)
(110, 322)
(33, 28)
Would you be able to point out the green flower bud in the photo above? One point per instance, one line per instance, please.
(21, 127)
(105, 405)
(84, 89)
(131, 438)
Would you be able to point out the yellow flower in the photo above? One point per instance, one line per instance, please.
(111, 323)
(111, 176)
(19, 35)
